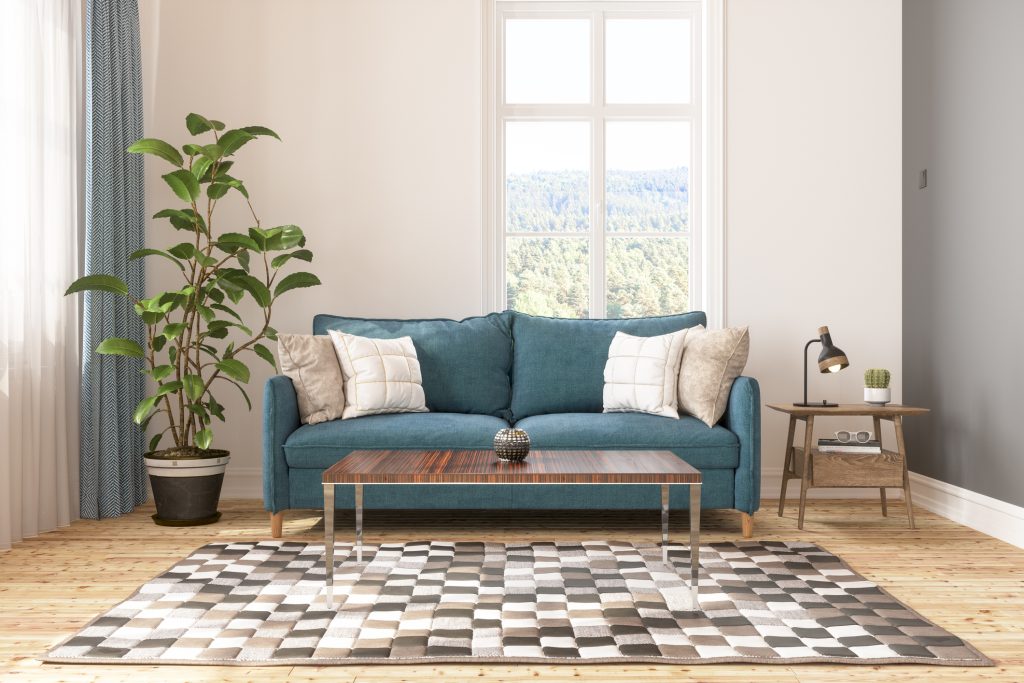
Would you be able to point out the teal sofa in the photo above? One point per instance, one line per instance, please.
(481, 374)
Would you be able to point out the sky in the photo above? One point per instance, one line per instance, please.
(548, 61)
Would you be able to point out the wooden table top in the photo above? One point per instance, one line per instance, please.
(483, 467)
(888, 410)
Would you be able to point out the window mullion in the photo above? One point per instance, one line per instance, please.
(597, 164)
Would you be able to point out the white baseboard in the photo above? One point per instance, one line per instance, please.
(771, 485)
(243, 482)
(996, 518)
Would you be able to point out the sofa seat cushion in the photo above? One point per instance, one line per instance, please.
(321, 445)
(701, 446)
(558, 363)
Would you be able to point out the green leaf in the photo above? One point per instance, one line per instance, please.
(199, 410)
(217, 190)
(156, 252)
(215, 408)
(194, 386)
(197, 124)
(142, 410)
(157, 148)
(243, 259)
(182, 219)
(285, 237)
(270, 333)
(184, 250)
(191, 149)
(100, 283)
(233, 139)
(204, 437)
(168, 388)
(184, 184)
(257, 289)
(206, 313)
(200, 166)
(301, 254)
(230, 241)
(174, 330)
(229, 311)
(158, 343)
(215, 152)
(221, 169)
(259, 236)
(120, 347)
(213, 293)
(223, 178)
(235, 369)
(266, 354)
(294, 281)
(260, 130)
(161, 371)
(155, 441)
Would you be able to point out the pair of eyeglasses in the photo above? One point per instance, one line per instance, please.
(860, 437)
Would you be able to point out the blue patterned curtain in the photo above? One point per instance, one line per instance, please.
(112, 470)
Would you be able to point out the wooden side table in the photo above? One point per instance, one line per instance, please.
(887, 469)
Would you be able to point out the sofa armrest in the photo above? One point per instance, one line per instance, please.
(743, 418)
(280, 419)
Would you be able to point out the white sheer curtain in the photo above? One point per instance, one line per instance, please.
(40, 137)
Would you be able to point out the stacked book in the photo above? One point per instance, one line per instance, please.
(849, 447)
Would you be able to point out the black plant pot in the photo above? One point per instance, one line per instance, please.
(186, 485)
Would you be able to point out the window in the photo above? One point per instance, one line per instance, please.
(596, 122)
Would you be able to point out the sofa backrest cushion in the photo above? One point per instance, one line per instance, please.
(465, 363)
(558, 363)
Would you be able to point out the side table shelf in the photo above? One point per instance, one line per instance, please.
(815, 469)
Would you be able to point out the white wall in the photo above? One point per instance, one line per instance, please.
(813, 195)
(378, 102)
(378, 105)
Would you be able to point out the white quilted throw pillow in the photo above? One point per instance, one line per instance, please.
(381, 375)
(642, 373)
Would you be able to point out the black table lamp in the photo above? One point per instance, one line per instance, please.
(831, 359)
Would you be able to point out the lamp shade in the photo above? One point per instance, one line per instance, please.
(831, 358)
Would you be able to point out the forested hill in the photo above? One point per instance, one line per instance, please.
(637, 201)
(643, 275)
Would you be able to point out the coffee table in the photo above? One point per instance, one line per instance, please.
(483, 467)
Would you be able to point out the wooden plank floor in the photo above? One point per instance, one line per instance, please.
(967, 582)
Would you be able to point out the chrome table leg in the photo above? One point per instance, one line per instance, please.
(329, 541)
(694, 542)
(359, 523)
(664, 523)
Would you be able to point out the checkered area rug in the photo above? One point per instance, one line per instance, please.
(265, 603)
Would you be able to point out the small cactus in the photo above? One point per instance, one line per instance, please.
(876, 378)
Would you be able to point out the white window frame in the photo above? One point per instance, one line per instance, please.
(704, 113)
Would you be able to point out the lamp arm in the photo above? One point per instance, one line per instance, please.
(807, 347)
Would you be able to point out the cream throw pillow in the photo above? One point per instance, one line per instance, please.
(311, 363)
(712, 360)
(641, 374)
(381, 375)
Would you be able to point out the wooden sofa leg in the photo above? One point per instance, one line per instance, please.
(276, 524)
(748, 524)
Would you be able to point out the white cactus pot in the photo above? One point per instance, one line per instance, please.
(877, 397)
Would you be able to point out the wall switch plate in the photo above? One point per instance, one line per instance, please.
(922, 181)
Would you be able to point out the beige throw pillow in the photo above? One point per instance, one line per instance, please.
(712, 360)
(642, 373)
(381, 375)
(311, 363)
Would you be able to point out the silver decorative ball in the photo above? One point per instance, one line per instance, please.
(511, 445)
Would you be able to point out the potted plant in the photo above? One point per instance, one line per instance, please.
(876, 387)
(196, 342)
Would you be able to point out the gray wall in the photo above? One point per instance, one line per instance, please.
(963, 242)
